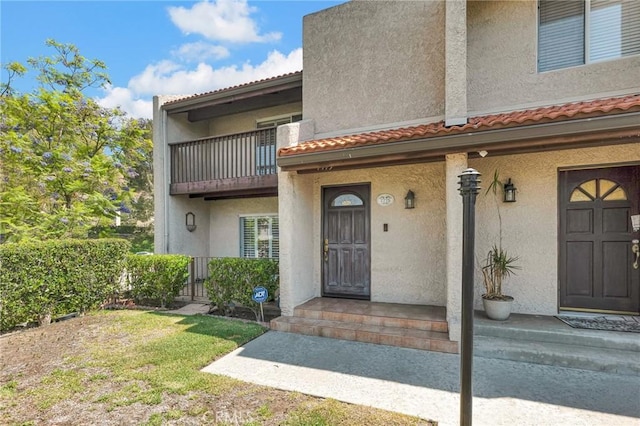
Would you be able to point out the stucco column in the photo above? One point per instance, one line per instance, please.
(295, 214)
(455, 165)
(455, 62)
(160, 177)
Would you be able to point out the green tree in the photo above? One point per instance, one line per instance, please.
(66, 163)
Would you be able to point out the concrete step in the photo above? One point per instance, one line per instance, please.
(618, 361)
(420, 317)
(551, 330)
(360, 331)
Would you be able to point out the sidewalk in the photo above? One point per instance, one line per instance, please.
(426, 384)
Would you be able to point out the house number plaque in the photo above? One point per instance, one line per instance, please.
(385, 199)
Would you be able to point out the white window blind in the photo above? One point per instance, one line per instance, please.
(577, 32)
(259, 237)
(266, 143)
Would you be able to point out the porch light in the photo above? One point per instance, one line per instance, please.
(410, 200)
(509, 192)
(190, 221)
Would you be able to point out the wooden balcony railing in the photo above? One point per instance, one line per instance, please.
(235, 162)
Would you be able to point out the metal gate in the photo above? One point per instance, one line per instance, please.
(194, 286)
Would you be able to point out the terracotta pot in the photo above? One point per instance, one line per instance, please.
(498, 310)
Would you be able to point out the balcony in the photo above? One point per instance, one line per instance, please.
(230, 166)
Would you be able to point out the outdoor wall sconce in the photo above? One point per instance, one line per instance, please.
(509, 192)
(190, 221)
(410, 200)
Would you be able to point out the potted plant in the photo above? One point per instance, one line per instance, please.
(496, 267)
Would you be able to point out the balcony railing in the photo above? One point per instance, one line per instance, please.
(224, 163)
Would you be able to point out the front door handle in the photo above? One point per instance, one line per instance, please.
(326, 249)
(635, 249)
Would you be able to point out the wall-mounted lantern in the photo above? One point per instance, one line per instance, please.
(410, 200)
(509, 192)
(190, 221)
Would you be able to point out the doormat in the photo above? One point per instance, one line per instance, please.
(602, 323)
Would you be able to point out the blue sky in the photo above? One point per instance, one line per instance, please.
(162, 47)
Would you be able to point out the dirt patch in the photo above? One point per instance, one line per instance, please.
(47, 377)
(271, 311)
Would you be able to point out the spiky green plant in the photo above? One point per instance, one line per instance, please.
(497, 265)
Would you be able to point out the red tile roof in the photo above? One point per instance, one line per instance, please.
(554, 113)
(227, 89)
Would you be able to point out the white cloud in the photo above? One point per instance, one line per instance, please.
(225, 20)
(127, 101)
(170, 78)
(200, 51)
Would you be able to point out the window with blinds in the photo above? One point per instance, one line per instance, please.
(259, 237)
(266, 143)
(577, 32)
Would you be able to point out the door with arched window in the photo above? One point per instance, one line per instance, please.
(596, 257)
(345, 242)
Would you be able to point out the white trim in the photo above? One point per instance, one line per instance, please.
(587, 32)
(277, 117)
(258, 215)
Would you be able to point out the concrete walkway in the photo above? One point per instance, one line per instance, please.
(191, 309)
(426, 384)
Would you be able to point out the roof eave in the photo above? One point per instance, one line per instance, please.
(468, 141)
(244, 91)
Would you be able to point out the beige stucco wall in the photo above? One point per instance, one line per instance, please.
(224, 235)
(180, 129)
(180, 240)
(530, 225)
(246, 121)
(502, 63)
(408, 262)
(370, 63)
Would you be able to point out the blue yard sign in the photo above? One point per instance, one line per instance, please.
(260, 294)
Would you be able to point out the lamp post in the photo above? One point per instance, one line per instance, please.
(469, 190)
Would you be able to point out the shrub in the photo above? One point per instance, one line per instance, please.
(41, 280)
(232, 280)
(158, 277)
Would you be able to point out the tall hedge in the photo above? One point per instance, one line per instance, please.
(157, 277)
(41, 280)
(232, 280)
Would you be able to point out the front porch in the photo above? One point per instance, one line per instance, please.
(410, 326)
(537, 339)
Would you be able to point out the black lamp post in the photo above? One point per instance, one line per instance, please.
(509, 192)
(469, 190)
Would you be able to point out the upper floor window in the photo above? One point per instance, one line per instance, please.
(577, 32)
(266, 143)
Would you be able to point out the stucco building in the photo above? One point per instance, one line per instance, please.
(403, 96)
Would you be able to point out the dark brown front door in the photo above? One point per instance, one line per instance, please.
(596, 258)
(345, 242)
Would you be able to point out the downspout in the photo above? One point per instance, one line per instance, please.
(167, 171)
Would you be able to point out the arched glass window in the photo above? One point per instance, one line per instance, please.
(603, 189)
(347, 200)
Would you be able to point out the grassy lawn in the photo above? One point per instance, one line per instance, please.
(136, 367)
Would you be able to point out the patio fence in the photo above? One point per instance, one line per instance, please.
(198, 272)
(194, 286)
